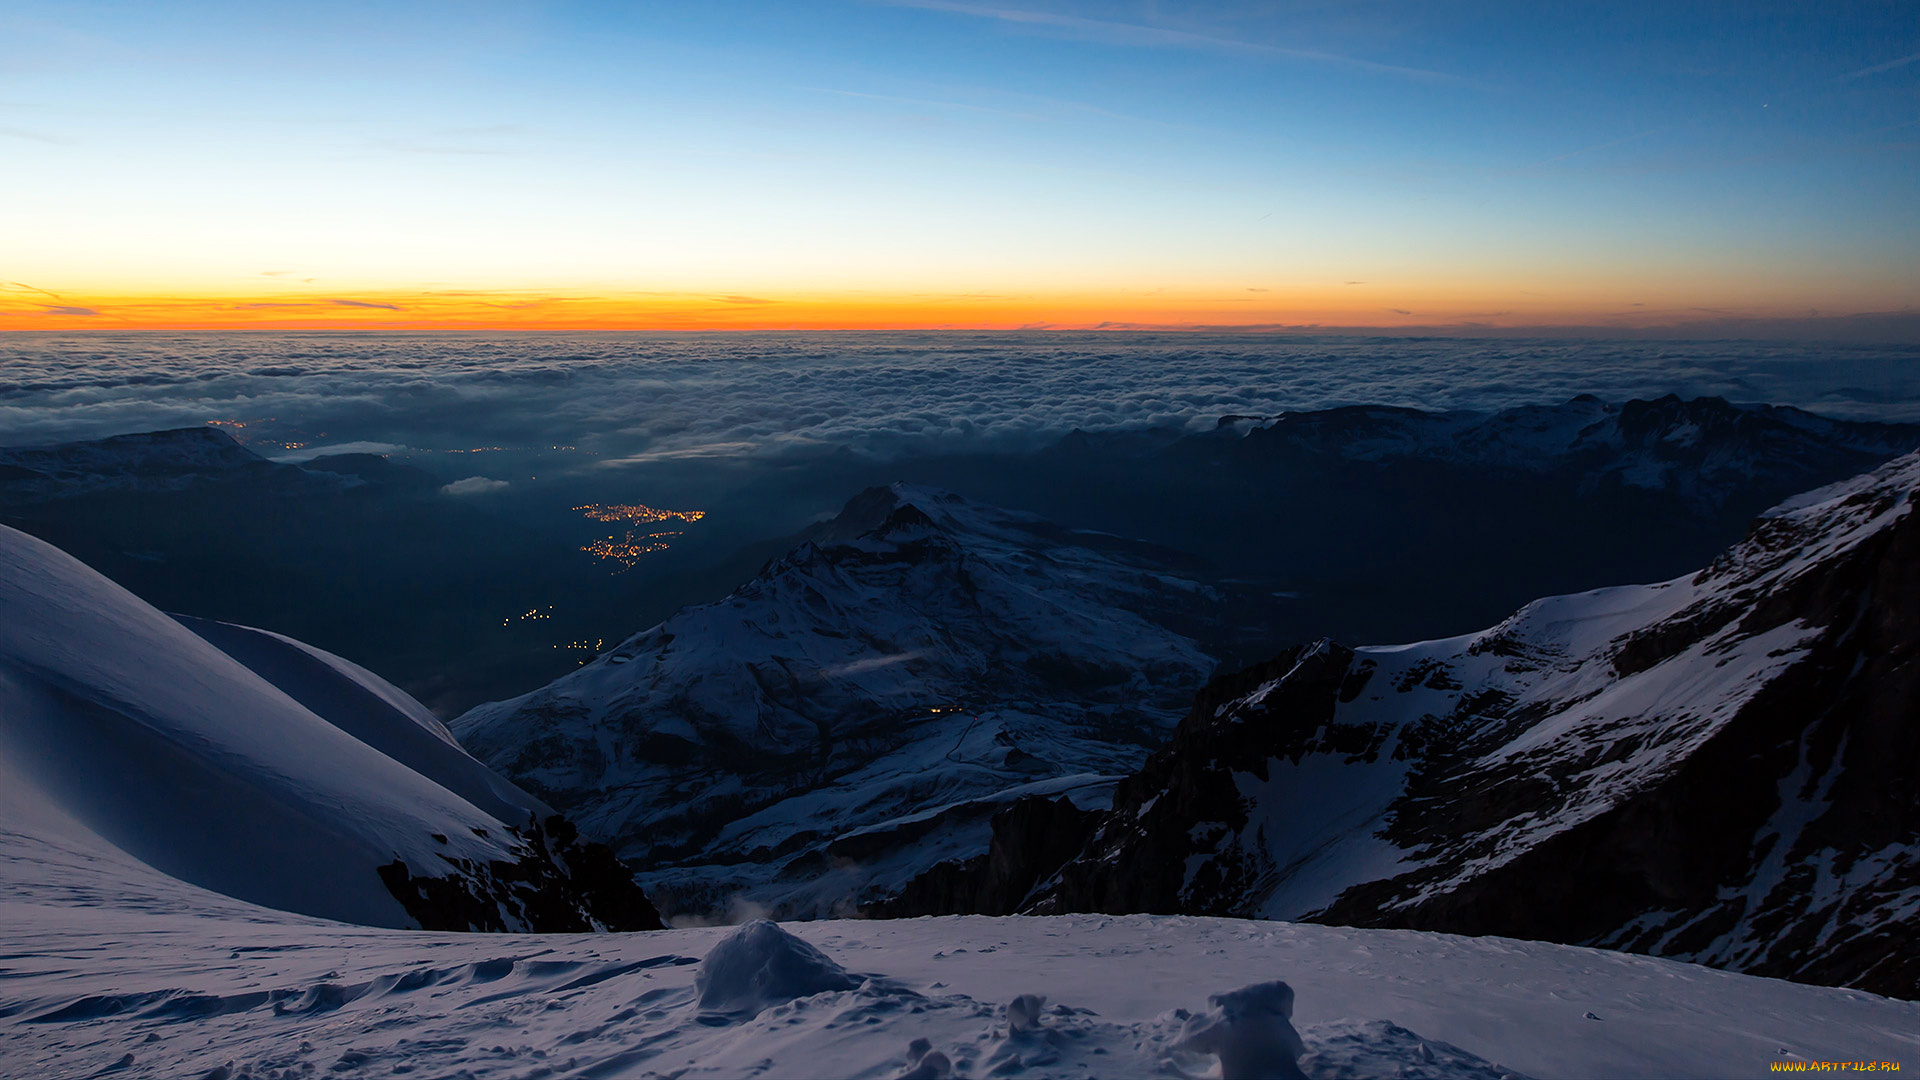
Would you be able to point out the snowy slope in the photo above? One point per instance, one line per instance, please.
(372, 710)
(114, 969)
(129, 738)
(1719, 767)
(859, 710)
(107, 992)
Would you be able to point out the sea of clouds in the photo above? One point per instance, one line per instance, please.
(658, 398)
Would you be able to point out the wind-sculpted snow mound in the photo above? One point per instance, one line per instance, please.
(123, 734)
(760, 965)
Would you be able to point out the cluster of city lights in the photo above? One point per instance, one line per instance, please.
(628, 549)
(634, 512)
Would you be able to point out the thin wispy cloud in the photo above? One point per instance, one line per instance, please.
(33, 136)
(1877, 68)
(1114, 32)
(482, 140)
(926, 103)
(365, 304)
(1609, 144)
(68, 309)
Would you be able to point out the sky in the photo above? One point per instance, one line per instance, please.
(934, 163)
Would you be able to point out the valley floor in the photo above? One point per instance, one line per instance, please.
(106, 990)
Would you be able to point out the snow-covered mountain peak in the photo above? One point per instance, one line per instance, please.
(1717, 767)
(921, 650)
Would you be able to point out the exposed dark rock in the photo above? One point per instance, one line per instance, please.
(1724, 768)
(558, 885)
(1031, 839)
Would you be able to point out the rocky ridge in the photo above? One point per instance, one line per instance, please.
(1718, 768)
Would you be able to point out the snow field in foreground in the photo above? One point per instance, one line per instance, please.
(186, 995)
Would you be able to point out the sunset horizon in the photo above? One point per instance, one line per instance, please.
(918, 164)
(655, 311)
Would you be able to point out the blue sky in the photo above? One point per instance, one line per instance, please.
(1551, 161)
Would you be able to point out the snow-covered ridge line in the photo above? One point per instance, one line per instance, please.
(1717, 767)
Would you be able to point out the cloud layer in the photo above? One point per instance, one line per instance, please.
(474, 485)
(662, 398)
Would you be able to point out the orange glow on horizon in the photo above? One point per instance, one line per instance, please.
(1329, 308)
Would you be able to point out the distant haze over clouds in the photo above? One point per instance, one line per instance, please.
(605, 399)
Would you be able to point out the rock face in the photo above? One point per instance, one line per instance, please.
(860, 710)
(1723, 768)
(1031, 838)
(555, 884)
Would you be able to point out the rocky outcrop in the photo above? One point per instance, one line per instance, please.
(559, 884)
(1031, 839)
(1722, 768)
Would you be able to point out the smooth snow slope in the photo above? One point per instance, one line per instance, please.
(127, 734)
(372, 710)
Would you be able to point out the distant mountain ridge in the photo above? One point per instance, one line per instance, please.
(1397, 524)
(868, 699)
(1719, 768)
(153, 461)
(1704, 449)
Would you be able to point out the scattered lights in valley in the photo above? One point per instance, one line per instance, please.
(544, 614)
(628, 549)
(592, 649)
(530, 615)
